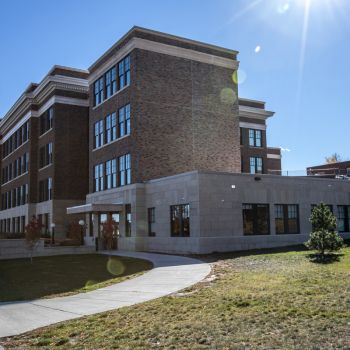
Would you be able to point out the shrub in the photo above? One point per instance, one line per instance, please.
(324, 237)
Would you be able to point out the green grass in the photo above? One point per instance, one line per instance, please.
(63, 275)
(257, 301)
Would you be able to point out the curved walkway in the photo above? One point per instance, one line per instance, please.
(170, 274)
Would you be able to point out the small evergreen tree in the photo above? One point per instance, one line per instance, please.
(324, 237)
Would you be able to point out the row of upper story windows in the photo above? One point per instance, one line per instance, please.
(21, 135)
(108, 129)
(113, 173)
(254, 137)
(16, 140)
(111, 82)
(14, 198)
(15, 169)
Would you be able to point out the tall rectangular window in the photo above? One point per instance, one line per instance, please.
(256, 219)
(122, 171)
(111, 174)
(45, 190)
(124, 120)
(287, 218)
(180, 220)
(45, 155)
(99, 91)
(127, 220)
(125, 170)
(111, 82)
(99, 177)
(151, 220)
(343, 218)
(46, 121)
(111, 127)
(256, 165)
(255, 138)
(124, 72)
(99, 134)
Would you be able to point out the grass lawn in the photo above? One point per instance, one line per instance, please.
(63, 275)
(257, 301)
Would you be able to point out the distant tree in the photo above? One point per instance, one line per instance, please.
(334, 158)
(32, 233)
(108, 232)
(324, 237)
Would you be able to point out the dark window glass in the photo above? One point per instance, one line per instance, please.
(46, 121)
(45, 190)
(111, 82)
(99, 91)
(99, 134)
(99, 177)
(124, 72)
(343, 218)
(180, 220)
(127, 220)
(256, 219)
(151, 221)
(287, 218)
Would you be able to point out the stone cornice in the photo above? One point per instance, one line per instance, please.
(38, 96)
(138, 43)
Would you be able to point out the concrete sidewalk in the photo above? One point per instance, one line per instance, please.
(170, 274)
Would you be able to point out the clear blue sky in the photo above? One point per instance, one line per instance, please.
(301, 71)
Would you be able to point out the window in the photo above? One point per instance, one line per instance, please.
(124, 72)
(45, 190)
(151, 221)
(46, 121)
(343, 218)
(46, 155)
(256, 165)
(127, 220)
(256, 219)
(23, 223)
(25, 162)
(255, 138)
(287, 218)
(98, 91)
(111, 127)
(124, 120)
(125, 170)
(241, 136)
(98, 127)
(24, 197)
(180, 220)
(111, 174)
(111, 82)
(99, 183)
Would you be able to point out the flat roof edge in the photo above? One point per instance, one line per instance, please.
(161, 34)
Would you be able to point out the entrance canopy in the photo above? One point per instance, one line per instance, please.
(94, 208)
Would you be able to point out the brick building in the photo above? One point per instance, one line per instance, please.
(44, 142)
(154, 135)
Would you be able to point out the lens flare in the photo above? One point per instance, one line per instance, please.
(115, 266)
(239, 77)
(228, 96)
